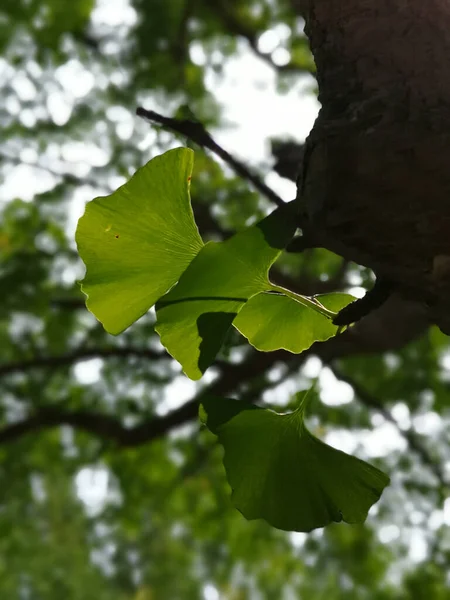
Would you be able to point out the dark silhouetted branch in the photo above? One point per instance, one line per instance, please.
(197, 133)
(54, 362)
(110, 428)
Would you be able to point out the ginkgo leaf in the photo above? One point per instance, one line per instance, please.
(138, 241)
(194, 317)
(280, 472)
(272, 321)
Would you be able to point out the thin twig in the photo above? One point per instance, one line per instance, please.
(197, 133)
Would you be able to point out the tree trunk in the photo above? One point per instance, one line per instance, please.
(376, 176)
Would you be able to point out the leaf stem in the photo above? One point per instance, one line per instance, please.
(305, 300)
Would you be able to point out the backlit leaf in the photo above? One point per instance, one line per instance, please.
(138, 241)
(273, 321)
(194, 317)
(280, 472)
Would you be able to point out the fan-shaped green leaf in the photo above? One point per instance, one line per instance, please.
(280, 472)
(193, 318)
(138, 241)
(273, 321)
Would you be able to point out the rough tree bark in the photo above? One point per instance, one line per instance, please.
(375, 185)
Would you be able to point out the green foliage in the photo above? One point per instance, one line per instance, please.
(137, 243)
(195, 316)
(274, 321)
(48, 22)
(132, 244)
(280, 472)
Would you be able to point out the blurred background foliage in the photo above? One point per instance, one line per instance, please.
(109, 489)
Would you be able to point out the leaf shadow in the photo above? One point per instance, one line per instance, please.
(212, 328)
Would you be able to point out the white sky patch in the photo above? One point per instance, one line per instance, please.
(281, 57)
(256, 110)
(88, 372)
(436, 520)
(7, 72)
(80, 197)
(388, 534)
(92, 488)
(34, 69)
(354, 278)
(276, 372)
(332, 391)
(84, 152)
(72, 71)
(17, 183)
(28, 118)
(284, 188)
(23, 324)
(383, 440)
(176, 394)
(28, 155)
(416, 517)
(444, 362)
(357, 291)
(281, 393)
(312, 367)
(418, 548)
(197, 54)
(37, 487)
(59, 108)
(12, 105)
(446, 511)
(429, 423)
(402, 415)
(377, 420)
(379, 442)
(343, 440)
(393, 361)
(298, 539)
(24, 87)
(113, 13)
(210, 592)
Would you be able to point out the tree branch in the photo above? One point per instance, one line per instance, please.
(112, 429)
(197, 133)
(388, 328)
(54, 362)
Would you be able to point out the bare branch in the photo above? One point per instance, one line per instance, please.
(54, 362)
(197, 133)
(112, 429)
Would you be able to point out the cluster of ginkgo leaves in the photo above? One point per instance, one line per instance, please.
(142, 248)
